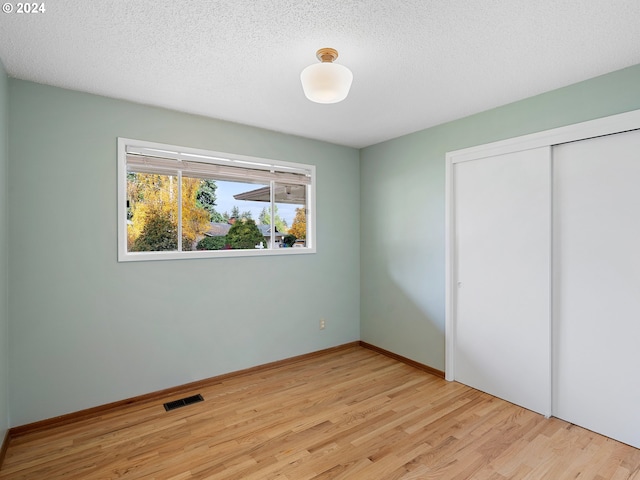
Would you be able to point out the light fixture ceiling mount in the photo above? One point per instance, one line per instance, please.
(327, 54)
(326, 82)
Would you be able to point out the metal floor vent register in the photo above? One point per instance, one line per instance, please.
(183, 402)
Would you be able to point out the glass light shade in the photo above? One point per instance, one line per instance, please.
(326, 82)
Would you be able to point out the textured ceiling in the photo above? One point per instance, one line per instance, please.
(416, 63)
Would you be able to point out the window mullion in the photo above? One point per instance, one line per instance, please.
(179, 203)
(272, 188)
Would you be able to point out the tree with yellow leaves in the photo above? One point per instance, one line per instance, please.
(153, 212)
(299, 225)
(195, 219)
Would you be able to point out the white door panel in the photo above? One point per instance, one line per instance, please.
(596, 380)
(503, 246)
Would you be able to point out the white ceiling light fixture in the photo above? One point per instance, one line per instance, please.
(326, 82)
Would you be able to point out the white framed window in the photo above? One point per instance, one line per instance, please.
(179, 202)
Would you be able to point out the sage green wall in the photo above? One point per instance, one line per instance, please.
(87, 330)
(4, 309)
(402, 187)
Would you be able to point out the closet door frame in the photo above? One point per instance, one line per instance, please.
(580, 131)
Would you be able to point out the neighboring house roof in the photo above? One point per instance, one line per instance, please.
(266, 231)
(221, 229)
(217, 229)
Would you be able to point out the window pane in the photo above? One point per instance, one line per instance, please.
(290, 212)
(234, 210)
(197, 196)
(152, 212)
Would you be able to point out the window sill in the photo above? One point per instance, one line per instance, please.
(149, 256)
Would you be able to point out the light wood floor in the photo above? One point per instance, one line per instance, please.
(351, 414)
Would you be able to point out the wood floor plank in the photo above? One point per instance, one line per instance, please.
(348, 414)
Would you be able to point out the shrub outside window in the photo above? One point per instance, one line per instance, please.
(177, 202)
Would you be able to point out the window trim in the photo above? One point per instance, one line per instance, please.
(127, 145)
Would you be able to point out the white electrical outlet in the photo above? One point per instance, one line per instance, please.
(322, 324)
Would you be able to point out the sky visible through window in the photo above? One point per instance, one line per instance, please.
(225, 201)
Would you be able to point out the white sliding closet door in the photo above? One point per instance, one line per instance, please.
(502, 217)
(596, 380)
